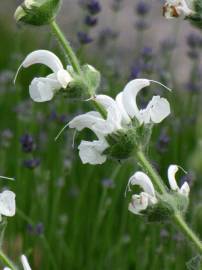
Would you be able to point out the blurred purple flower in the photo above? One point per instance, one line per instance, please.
(142, 8)
(31, 163)
(84, 38)
(27, 143)
(90, 20)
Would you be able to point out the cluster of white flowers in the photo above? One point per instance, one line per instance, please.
(120, 114)
(140, 202)
(177, 8)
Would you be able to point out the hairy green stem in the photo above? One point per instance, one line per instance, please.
(73, 59)
(66, 46)
(151, 172)
(179, 220)
(6, 261)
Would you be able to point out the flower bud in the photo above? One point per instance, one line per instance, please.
(37, 12)
(167, 205)
(82, 86)
(196, 17)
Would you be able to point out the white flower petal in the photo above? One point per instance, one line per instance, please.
(129, 96)
(86, 120)
(25, 263)
(6, 268)
(91, 152)
(172, 170)
(114, 117)
(142, 180)
(44, 57)
(156, 111)
(43, 89)
(138, 203)
(185, 189)
(64, 78)
(7, 203)
(125, 118)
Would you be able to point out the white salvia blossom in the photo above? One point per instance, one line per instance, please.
(7, 204)
(7, 201)
(140, 202)
(120, 113)
(24, 262)
(184, 189)
(44, 88)
(177, 8)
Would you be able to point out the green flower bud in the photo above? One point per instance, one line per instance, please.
(92, 78)
(196, 17)
(83, 86)
(166, 206)
(37, 12)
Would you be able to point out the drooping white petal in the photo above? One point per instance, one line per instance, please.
(7, 203)
(6, 268)
(185, 189)
(64, 78)
(156, 111)
(25, 263)
(129, 96)
(114, 117)
(92, 152)
(86, 120)
(142, 180)
(44, 57)
(43, 89)
(138, 203)
(172, 170)
(125, 117)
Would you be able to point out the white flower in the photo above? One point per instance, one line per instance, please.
(176, 8)
(146, 198)
(184, 189)
(44, 88)
(7, 204)
(120, 113)
(140, 202)
(24, 262)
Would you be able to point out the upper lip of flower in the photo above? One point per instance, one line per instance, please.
(43, 89)
(184, 189)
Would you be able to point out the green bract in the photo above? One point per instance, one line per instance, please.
(83, 86)
(196, 18)
(168, 204)
(37, 12)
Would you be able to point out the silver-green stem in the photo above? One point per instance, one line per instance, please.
(66, 46)
(157, 181)
(178, 219)
(72, 59)
(6, 261)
